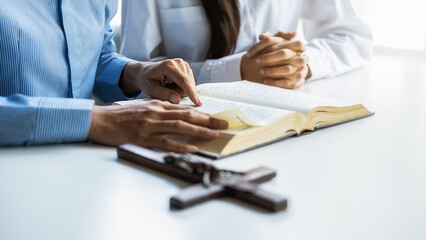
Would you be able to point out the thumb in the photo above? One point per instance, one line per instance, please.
(264, 35)
(286, 35)
(163, 93)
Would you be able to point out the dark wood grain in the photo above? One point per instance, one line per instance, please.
(245, 188)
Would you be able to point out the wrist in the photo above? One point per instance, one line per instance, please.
(243, 64)
(96, 123)
(129, 78)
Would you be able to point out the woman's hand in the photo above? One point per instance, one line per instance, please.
(152, 77)
(276, 61)
(149, 124)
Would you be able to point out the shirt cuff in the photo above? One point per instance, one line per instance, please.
(107, 82)
(319, 69)
(62, 120)
(226, 69)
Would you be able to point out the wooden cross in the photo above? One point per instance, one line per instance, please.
(211, 182)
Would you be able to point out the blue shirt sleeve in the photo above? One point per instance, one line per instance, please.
(110, 64)
(39, 120)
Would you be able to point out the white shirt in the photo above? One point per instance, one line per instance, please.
(337, 40)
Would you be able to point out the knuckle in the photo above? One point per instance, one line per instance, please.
(186, 107)
(179, 60)
(155, 102)
(168, 63)
(163, 104)
(299, 75)
(189, 114)
(153, 111)
(286, 69)
(299, 44)
(300, 61)
(149, 111)
(186, 79)
(178, 124)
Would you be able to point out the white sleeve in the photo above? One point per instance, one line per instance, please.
(338, 41)
(226, 69)
(141, 30)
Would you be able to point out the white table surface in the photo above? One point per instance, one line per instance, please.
(361, 180)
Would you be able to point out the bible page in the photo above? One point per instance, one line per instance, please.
(257, 115)
(268, 96)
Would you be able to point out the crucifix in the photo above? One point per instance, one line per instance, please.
(210, 182)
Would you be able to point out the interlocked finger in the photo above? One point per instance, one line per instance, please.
(276, 56)
(297, 46)
(278, 72)
(264, 43)
(298, 61)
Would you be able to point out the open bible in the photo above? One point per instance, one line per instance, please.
(259, 114)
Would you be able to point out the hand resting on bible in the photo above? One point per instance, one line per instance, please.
(148, 125)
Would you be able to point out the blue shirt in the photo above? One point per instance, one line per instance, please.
(53, 56)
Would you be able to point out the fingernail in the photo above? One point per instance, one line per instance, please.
(174, 98)
(199, 101)
(191, 148)
(266, 82)
(262, 71)
(212, 133)
(248, 54)
(258, 60)
(223, 124)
